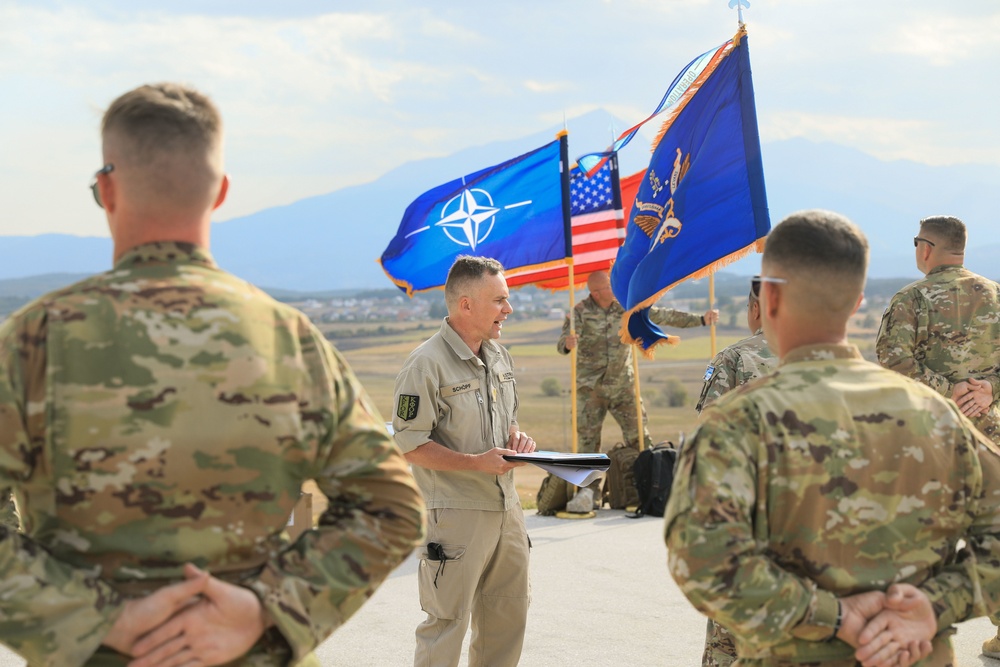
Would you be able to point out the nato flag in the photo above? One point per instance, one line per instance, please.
(512, 212)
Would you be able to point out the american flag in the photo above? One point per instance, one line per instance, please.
(598, 228)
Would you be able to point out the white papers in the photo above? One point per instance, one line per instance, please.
(578, 469)
(577, 476)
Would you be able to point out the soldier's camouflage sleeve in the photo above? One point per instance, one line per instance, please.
(712, 550)
(52, 613)
(55, 613)
(969, 586)
(669, 317)
(720, 377)
(717, 528)
(375, 517)
(561, 343)
(898, 344)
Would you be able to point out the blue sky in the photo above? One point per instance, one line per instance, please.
(321, 95)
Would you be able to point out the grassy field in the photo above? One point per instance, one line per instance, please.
(377, 359)
(376, 352)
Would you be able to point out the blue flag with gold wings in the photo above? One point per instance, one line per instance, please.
(512, 212)
(701, 203)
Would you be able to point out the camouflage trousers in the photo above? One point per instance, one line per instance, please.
(592, 406)
(720, 646)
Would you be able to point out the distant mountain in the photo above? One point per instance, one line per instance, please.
(331, 242)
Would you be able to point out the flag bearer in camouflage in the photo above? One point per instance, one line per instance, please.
(156, 424)
(741, 362)
(944, 331)
(604, 378)
(456, 418)
(734, 366)
(834, 511)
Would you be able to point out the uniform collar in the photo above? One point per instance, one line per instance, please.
(461, 348)
(945, 267)
(822, 352)
(167, 252)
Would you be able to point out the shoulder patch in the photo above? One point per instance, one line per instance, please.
(709, 372)
(406, 409)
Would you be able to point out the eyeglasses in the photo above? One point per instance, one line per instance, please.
(106, 169)
(757, 280)
(918, 239)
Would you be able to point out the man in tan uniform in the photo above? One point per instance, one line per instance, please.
(456, 417)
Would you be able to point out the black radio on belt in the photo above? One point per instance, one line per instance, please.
(436, 552)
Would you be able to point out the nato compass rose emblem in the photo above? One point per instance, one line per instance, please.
(468, 218)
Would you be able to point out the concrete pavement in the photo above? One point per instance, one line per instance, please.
(601, 595)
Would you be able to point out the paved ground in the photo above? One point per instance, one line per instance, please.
(601, 596)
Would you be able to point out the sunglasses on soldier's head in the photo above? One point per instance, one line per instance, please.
(757, 280)
(106, 169)
(918, 239)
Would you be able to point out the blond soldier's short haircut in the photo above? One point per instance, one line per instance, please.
(165, 139)
(464, 273)
(824, 256)
(947, 230)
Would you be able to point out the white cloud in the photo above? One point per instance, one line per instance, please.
(942, 40)
(322, 99)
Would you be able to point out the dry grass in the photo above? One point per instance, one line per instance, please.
(377, 359)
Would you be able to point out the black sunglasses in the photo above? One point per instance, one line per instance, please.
(106, 169)
(918, 239)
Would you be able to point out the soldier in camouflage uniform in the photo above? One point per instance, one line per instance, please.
(604, 378)
(734, 366)
(741, 362)
(157, 423)
(834, 511)
(944, 331)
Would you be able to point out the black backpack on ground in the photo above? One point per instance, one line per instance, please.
(654, 475)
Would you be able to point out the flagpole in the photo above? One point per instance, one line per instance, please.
(638, 399)
(572, 355)
(711, 305)
(563, 137)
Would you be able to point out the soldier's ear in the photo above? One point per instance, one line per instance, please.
(771, 293)
(861, 297)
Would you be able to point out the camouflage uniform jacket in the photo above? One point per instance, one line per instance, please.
(601, 357)
(832, 476)
(736, 365)
(167, 412)
(945, 329)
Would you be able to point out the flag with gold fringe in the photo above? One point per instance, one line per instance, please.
(701, 204)
(514, 212)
